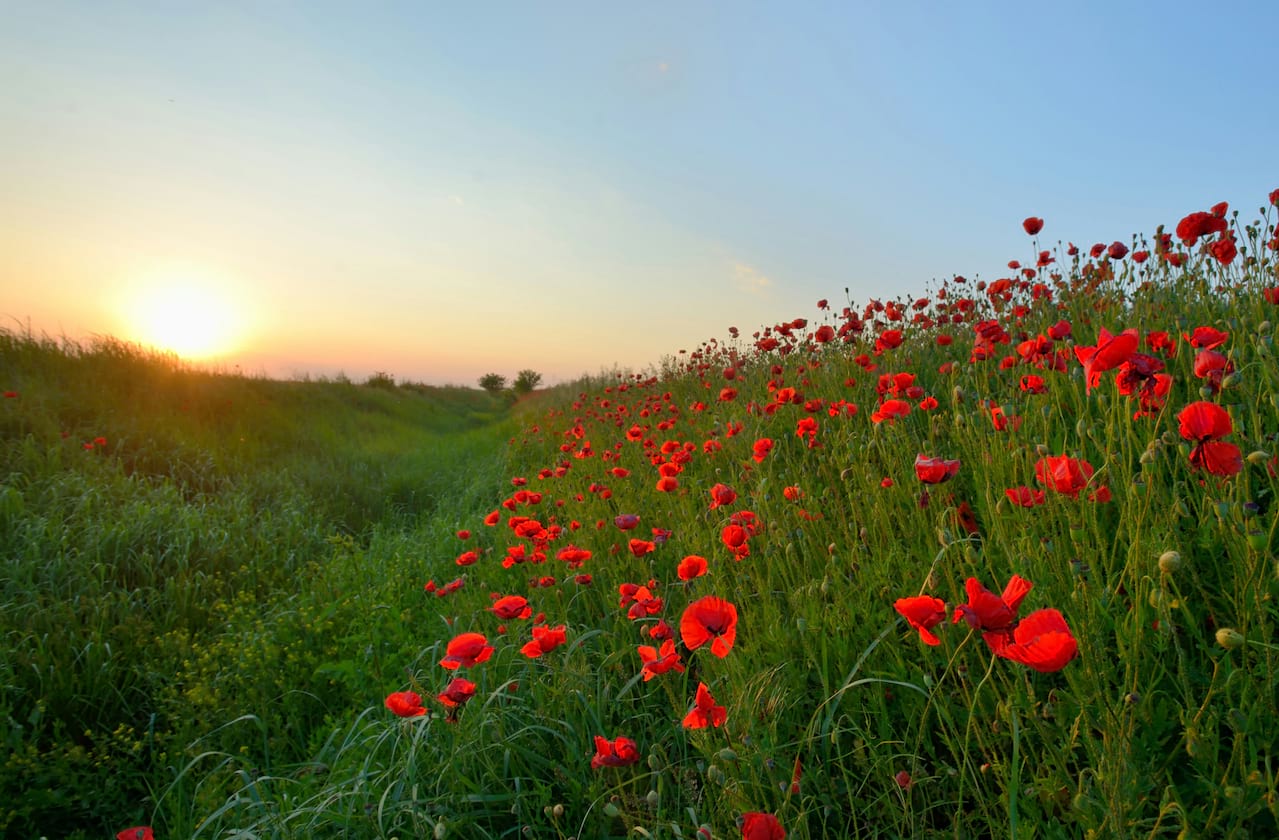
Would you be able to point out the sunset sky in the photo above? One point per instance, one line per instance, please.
(439, 190)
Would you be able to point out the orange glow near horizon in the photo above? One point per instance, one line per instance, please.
(187, 312)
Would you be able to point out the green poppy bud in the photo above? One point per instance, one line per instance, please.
(1169, 562)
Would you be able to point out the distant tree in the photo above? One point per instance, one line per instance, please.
(526, 380)
(493, 382)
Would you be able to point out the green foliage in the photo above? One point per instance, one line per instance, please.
(492, 382)
(526, 381)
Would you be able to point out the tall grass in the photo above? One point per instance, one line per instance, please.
(203, 560)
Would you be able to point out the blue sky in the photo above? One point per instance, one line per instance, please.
(440, 190)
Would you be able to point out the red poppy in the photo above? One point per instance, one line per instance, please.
(757, 826)
(493, 518)
(989, 612)
(923, 612)
(1198, 224)
(457, 692)
(1224, 250)
(722, 494)
(761, 448)
(692, 566)
(1041, 640)
(709, 619)
(511, 607)
(1032, 384)
(1025, 496)
(935, 470)
(1033, 225)
(640, 547)
(704, 712)
(405, 703)
(626, 521)
(1216, 457)
(137, 832)
(466, 558)
(1063, 474)
(1110, 352)
(466, 650)
(1117, 251)
(659, 661)
(545, 640)
(735, 538)
(1206, 338)
(1203, 421)
(619, 752)
(890, 410)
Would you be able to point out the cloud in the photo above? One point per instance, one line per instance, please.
(749, 280)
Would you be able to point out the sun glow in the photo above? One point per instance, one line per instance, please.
(185, 312)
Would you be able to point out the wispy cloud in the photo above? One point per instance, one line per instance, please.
(749, 279)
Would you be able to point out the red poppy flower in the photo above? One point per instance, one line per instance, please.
(1033, 225)
(626, 521)
(1063, 474)
(1110, 352)
(659, 661)
(1117, 251)
(1041, 640)
(1224, 250)
(704, 712)
(466, 558)
(761, 448)
(1203, 421)
(989, 612)
(722, 494)
(466, 650)
(1198, 224)
(709, 619)
(619, 752)
(545, 640)
(1025, 496)
(641, 547)
(757, 826)
(137, 832)
(493, 518)
(935, 470)
(735, 538)
(405, 703)
(890, 410)
(1218, 458)
(692, 566)
(511, 607)
(1206, 338)
(923, 612)
(457, 692)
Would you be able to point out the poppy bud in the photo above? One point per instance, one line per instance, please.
(715, 775)
(1232, 380)
(611, 810)
(727, 754)
(652, 798)
(1258, 457)
(1256, 540)
(1148, 457)
(1229, 639)
(441, 830)
(1169, 562)
(1264, 328)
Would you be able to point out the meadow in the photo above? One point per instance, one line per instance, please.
(996, 559)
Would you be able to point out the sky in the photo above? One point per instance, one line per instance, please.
(442, 190)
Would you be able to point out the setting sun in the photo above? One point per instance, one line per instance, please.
(187, 314)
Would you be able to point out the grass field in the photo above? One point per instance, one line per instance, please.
(992, 559)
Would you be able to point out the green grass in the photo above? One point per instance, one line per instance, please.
(261, 597)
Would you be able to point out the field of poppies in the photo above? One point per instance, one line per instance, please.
(995, 559)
